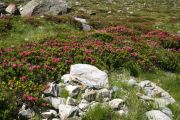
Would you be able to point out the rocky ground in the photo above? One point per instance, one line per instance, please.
(87, 87)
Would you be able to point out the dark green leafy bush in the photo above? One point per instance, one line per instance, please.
(5, 26)
(102, 36)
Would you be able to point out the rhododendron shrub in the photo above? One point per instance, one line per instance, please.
(48, 60)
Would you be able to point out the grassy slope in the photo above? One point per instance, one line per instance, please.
(151, 15)
(168, 81)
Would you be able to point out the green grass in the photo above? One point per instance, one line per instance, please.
(64, 93)
(168, 81)
(162, 14)
(100, 112)
(35, 29)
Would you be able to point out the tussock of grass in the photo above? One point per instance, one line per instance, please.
(137, 108)
(100, 112)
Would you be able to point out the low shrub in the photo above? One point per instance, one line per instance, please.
(102, 36)
(5, 26)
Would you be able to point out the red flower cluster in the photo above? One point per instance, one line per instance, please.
(30, 98)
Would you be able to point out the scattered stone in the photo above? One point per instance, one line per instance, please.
(144, 97)
(12, 9)
(73, 90)
(168, 112)
(52, 89)
(71, 101)
(115, 89)
(81, 20)
(121, 112)
(84, 104)
(132, 82)
(89, 76)
(109, 12)
(55, 101)
(66, 111)
(104, 94)
(49, 114)
(2, 9)
(152, 90)
(86, 27)
(84, 24)
(161, 102)
(157, 115)
(66, 78)
(40, 7)
(116, 103)
(25, 113)
(89, 96)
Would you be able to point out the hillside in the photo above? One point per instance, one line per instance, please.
(90, 60)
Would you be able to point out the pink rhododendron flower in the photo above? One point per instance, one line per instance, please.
(55, 60)
(14, 65)
(30, 98)
(134, 54)
(20, 65)
(128, 48)
(24, 78)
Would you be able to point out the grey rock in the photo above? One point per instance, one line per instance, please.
(52, 90)
(161, 102)
(12, 9)
(71, 101)
(89, 76)
(25, 113)
(132, 82)
(55, 101)
(121, 112)
(168, 112)
(86, 27)
(40, 7)
(152, 90)
(81, 20)
(104, 94)
(116, 103)
(73, 90)
(66, 111)
(66, 78)
(49, 114)
(115, 89)
(89, 96)
(84, 104)
(144, 97)
(84, 24)
(157, 115)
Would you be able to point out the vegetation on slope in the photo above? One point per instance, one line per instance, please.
(140, 37)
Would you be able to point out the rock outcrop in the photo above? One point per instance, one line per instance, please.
(87, 86)
(40, 7)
